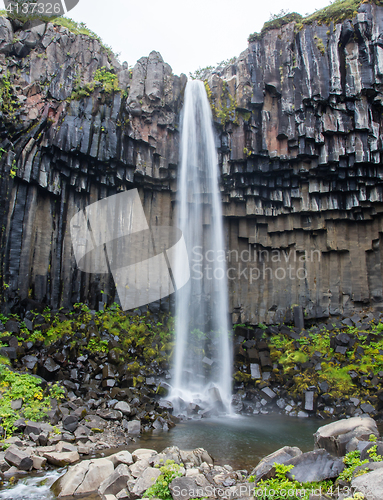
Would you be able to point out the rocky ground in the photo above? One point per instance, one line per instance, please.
(346, 459)
(115, 366)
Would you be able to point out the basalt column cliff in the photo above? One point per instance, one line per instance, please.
(299, 134)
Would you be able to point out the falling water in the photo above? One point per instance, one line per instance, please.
(202, 372)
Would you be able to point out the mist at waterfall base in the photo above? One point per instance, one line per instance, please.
(202, 368)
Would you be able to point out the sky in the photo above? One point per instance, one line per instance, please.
(189, 35)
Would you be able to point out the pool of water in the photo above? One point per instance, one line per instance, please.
(239, 441)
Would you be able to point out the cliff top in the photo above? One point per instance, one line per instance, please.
(336, 12)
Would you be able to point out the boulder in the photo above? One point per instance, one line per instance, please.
(70, 422)
(116, 481)
(18, 458)
(264, 470)
(147, 479)
(334, 437)
(170, 453)
(83, 478)
(138, 467)
(143, 453)
(197, 486)
(370, 485)
(62, 459)
(123, 407)
(122, 457)
(196, 457)
(134, 427)
(315, 466)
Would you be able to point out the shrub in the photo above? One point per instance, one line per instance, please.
(160, 488)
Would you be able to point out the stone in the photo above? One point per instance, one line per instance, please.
(299, 321)
(143, 454)
(315, 466)
(16, 404)
(147, 479)
(123, 407)
(18, 458)
(134, 427)
(62, 446)
(108, 414)
(309, 401)
(70, 422)
(50, 366)
(255, 371)
(269, 393)
(196, 457)
(138, 467)
(183, 488)
(335, 436)
(29, 361)
(83, 478)
(264, 469)
(38, 462)
(62, 459)
(122, 457)
(116, 481)
(370, 484)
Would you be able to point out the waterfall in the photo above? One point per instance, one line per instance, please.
(203, 364)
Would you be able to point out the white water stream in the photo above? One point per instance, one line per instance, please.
(203, 365)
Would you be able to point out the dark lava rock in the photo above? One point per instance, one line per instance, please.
(70, 422)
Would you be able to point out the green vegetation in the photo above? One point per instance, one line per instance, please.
(224, 109)
(277, 487)
(147, 339)
(8, 103)
(36, 402)
(160, 488)
(104, 79)
(364, 358)
(336, 12)
(276, 21)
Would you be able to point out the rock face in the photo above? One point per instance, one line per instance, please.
(298, 122)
